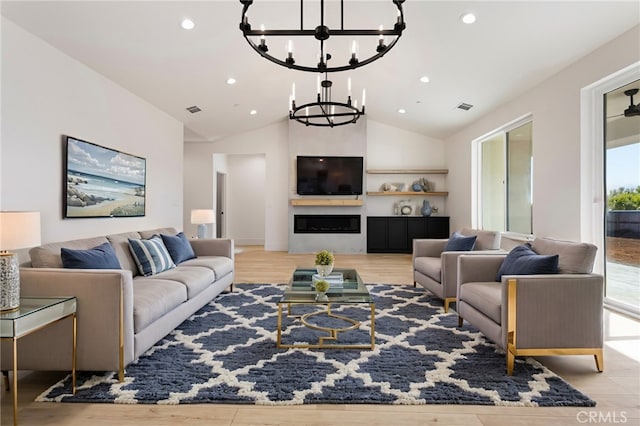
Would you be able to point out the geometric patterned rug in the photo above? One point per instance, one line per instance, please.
(226, 353)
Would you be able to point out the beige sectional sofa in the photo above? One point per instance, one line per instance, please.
(121, 313)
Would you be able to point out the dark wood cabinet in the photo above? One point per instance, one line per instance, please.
(377, 234)
(438, 227)
(395, 234)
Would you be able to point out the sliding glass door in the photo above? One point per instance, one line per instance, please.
(505, 186)
(622, 186)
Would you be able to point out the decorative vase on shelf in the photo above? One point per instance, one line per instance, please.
(426, 208)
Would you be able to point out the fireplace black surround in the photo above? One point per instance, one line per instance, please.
(326, 224)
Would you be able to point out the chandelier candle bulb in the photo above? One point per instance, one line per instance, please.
(263, 41)
(364, 94)
(354, 59)
(349, 87)
(290, 52)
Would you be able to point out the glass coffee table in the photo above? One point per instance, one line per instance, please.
(351, 291)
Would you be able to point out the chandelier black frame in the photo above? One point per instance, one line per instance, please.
(325, 114)
(322, 33)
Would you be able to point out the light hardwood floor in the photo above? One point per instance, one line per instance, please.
(617, 390)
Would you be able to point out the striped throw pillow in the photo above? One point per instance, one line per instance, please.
(151, 255)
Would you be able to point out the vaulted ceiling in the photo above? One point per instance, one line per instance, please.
(512, 47)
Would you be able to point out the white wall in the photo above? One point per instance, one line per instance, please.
(393, 148)
(46, 94)
(246, 176)
(386, 147)
(270, 141)
(555, 106)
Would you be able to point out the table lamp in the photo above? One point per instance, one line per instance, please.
(202, 217)
(17, 230)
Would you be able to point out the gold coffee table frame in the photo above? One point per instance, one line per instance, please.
(300, 292)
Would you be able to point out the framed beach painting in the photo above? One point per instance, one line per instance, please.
(102, 182)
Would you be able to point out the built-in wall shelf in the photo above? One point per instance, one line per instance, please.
(325, 202)
(408, 171)
(405, 193)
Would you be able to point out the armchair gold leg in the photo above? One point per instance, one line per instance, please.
(447, 302)
(599, 357)
(510, 361)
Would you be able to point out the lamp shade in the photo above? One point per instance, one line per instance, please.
(19, 230)
(201, 216)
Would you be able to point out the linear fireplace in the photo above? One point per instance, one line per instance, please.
(326, 224)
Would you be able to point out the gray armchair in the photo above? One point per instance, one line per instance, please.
(437, 270)
(535, 315)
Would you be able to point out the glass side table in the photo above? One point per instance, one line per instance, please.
(34, 314)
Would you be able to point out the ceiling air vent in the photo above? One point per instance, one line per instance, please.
(193, 109)
(465, 107)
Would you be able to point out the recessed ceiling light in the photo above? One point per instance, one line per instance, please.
(468, 18)
(253, 112)
(402, 110)
(424, 79)
(187, 24)
(231, 80)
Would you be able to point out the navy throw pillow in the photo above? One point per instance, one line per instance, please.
(99, 257)
(459, 242)
(179, 247)
(522, 260)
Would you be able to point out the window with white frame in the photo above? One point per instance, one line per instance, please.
(504, 179)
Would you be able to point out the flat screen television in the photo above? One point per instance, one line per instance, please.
(329, 175)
